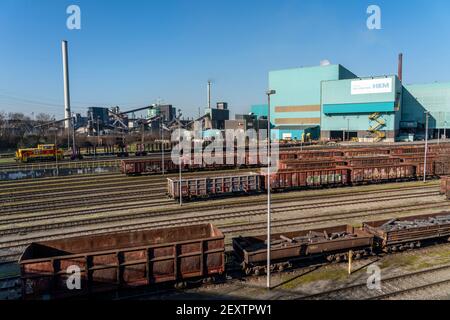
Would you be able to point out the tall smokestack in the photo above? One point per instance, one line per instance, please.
(400, 67)
(65, 57)
(209, 94)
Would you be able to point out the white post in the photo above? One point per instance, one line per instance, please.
(270, 92)
(162, 142)
(65, 58)
(426, 147)
(74, 151)
(445, 130)
(179, 144)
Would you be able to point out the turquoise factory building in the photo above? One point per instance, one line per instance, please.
(329, 102)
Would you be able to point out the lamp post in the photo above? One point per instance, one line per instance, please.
(445, 130)
(179, 144)
(73, 135)
(163, 127)
(98, 135)
(427, 115)
(269, 93)
(55, 129)
(439, 127)
(162, 145)
(348, 129)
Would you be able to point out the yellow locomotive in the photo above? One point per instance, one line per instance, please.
(43, 152)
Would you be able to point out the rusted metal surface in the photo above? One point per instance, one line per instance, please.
(323, 241)
(442, 165)
(214, 186)
(118, 260)
(318, 163)
(360, 161)
(382, 173)
(320, 154)
(292, 179)
(444, 185)
(413, 231)
(403, 150)
(374, 152)
(306, 159)
(139, 166)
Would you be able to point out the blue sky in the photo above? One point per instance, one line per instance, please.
(130, 53)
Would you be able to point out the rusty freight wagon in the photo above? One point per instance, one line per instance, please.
(293, 179)
(445, 186)
(139, 166)
(409, 232)
(122, 260)
(379, 173)
(309, 164)
(361, 161)
(405, 150)
(359, 152)
(206, 187)
(442, 165)
(332, 243)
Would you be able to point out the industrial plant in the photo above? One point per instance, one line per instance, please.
(332, 185)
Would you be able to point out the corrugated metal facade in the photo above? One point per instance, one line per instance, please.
(331, 98)
(433, 97)
(297, 101)
(345, 110)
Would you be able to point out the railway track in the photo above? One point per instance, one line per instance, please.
(89, 159)
(391, 287)
(32, 193)
(69, 204)
(83, 200)
(169, 222)
(44, 225)
(324, 218)
(9, 187)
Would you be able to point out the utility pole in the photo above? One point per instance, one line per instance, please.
(348, 129)
(65, 58)
(98, 134)
(427, 115)
(439, 127)
(73, 136)
(55, 129)
(445, 129)
(161, 132)
(209, 94)
(180, 163)
(269, 93)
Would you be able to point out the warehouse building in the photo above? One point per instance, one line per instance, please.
(361, 109)
(418, 98)
(296, 107)
(329, 102)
